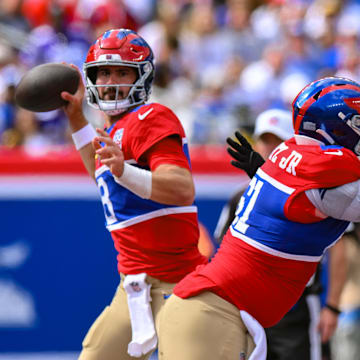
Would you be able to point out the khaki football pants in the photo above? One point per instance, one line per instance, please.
(203, 327)
(110, 334)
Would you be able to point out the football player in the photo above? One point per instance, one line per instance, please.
(298, 335)
(141, 165)
(298, 203)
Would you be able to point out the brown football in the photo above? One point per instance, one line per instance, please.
(40, 88)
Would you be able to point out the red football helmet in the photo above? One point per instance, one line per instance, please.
(119, 47)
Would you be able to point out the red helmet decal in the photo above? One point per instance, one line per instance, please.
(353, 103)
(125, 43)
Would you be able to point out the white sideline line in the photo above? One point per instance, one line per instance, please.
(48, 187)
(213, 186)
(34, 187)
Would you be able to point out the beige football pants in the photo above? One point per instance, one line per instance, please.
(203, 327)
(110, 334)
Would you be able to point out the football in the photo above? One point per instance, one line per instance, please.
(40, 88)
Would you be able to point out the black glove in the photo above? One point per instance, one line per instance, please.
(245, 157)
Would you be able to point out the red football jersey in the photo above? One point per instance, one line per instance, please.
(270, 252)
(150, 237)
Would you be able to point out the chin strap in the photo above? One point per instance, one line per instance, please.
(113, 107)
(114, 112)
(326, 136)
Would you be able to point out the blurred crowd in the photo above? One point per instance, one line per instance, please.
(219, 63)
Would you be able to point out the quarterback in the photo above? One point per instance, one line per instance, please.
(141, 165)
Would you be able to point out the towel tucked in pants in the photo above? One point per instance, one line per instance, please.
(109, 336)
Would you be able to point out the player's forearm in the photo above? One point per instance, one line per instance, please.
(172, 185)
(168, 184)
(77, 120)
(87, 154)
(82, 135)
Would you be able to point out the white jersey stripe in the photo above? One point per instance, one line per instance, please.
(277, 184)
(152, 215)
(101, 170)
(272, 251)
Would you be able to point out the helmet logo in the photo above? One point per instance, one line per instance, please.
(109, 57)
(353, 103)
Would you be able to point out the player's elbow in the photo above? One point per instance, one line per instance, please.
(187, 190)
(186, 196)
(173, 185)
(175, 196)
(181, 194)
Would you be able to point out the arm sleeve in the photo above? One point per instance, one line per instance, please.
(342, 202)
(167, 151)
(158, 125)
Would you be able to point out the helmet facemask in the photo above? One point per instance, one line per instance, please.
(139, 91)
(353, 122)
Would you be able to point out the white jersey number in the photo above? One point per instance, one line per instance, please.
(105, 199)
(243, 212)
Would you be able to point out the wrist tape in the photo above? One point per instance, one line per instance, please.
(138, 181)
(83, 136)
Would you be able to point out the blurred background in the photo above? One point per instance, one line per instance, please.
(219, 63)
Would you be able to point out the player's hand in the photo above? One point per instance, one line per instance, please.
(245, 157)
(327, 324)
(73, 108)
(110, 153)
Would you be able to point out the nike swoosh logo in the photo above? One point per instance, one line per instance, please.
(145, 114)
(337, 152)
